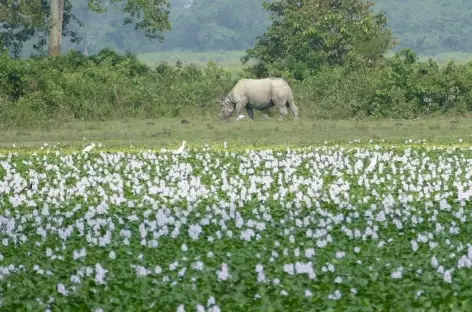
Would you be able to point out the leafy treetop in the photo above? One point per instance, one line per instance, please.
(307, 35)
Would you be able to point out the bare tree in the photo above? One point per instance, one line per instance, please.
(55, 33)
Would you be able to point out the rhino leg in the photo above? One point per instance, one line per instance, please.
(283, 112)
(280, 103)
(238, 108)
(250, 112)
(293, 108)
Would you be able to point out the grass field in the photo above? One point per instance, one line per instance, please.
(171, 132)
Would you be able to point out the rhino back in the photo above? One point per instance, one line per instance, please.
(259, 92)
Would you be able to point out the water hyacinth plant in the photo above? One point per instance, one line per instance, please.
(345, 228)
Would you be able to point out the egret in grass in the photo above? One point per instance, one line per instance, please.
(180, 149)
(88, 148)
(240, 117)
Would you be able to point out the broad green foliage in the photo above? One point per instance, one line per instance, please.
(104, 86)
(27, 20)
(339, 228)
(306, 36)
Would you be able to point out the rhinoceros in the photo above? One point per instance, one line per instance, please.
(260, 94)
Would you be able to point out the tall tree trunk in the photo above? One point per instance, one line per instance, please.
(87, 22)
(86, 53)
(55, 33)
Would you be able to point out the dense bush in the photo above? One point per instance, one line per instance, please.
(399, 87)
(110, 86)
(104, 86)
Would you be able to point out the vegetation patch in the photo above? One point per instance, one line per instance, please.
(341, 227)
(45, 91)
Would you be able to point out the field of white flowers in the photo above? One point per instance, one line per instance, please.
(345, 228)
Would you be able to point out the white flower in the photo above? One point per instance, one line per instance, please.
(62, 289)
(211, 301)
(173, 266)
(289, 268)
(448, 276)
(141, 271)
(75, 279)
(335, 296)
(182, 272)
(223, 274)
(310, 252)
(214, 309)
(200, 308)
(396, 274)
(48, 252)
(100, 274)
(194, 231)
(79, 254)
(198, 266)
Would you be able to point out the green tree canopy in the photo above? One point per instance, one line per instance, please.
(307, 35)
(23, 20)
(428, 27)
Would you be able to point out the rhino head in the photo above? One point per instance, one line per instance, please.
(226, 109)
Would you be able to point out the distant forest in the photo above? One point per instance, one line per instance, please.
(427, 26)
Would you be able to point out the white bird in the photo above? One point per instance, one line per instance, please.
(180, 149)
(240, 117)
(88, 148)
(225, 144)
